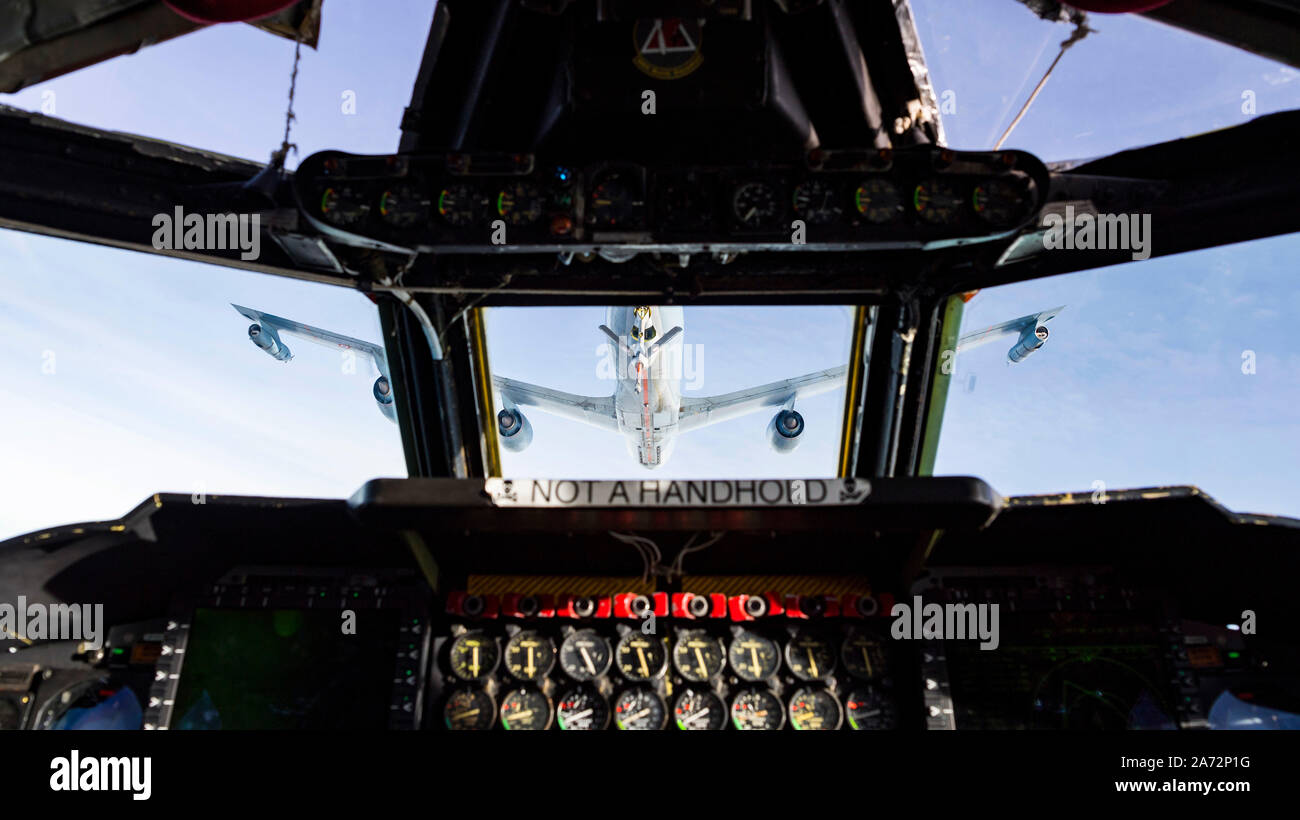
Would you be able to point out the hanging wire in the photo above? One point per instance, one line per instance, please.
(1081, 30)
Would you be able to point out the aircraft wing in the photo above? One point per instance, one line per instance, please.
(321, 337)
(1013, 327)
(593, 410)
(703, 411)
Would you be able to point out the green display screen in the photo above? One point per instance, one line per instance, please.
(287, 669)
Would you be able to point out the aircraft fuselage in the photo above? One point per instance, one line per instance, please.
(648, 396)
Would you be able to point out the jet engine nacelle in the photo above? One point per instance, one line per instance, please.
(515, 430)
(785, 431)
(1030, 340)
(383, 392)
(269, 341)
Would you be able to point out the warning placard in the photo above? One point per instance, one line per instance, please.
(785, 492)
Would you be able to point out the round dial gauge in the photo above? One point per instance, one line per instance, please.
(585, 655)
(582, 709)
(474, 655)
(640, 709)
(530, 655)
(469, 710)
(698, 655)
(641, 657)
(936, 202)
(753, 656)
(754, 204)
(869, 709)
(864, 656)
(757, 710)
(697, 710)
(340, 205)
(1000, 202)
(810, 656)
(817, 202)
(816, 709)
(527, 709)
(684, 203)
(520, 204)
(461, 205)
(878, 200)
(402, 207)
(615, 201)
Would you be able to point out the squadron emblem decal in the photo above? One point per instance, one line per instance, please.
(667, 48)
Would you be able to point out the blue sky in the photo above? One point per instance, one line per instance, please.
(156, 386)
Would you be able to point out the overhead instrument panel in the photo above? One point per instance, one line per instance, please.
(918, 197)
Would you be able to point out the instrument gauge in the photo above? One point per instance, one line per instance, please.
(641, 657)
(698, 710)
(817, 202)
(810, 656)
(526, 709)
(868, 709)
(615, 201)
(698, 655)
(879, 201)
(585, 655)
(757, 710)
(461, 205)
(469, 710)
(1001, 202)
(402, 207)
(684, 203)
(864, 657)
(341, 205)
(754, 204)
(640, 709)
(815, 709)
(753, 656)
(530, 655)
(474, 655)
(936, 202)
(582, 709)
(520, 203)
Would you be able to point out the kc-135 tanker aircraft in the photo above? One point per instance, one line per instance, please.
(647, 406)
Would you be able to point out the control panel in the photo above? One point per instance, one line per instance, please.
(652, 661)
(920, 197)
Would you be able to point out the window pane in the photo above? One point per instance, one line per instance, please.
(1178, 370)
(724, 349)
(1131, 82)
(127, 374)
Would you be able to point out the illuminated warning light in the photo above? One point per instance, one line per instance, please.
(331, 164)
(1008, 159)
(946, 157)
(885, 154)
(561, 225)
